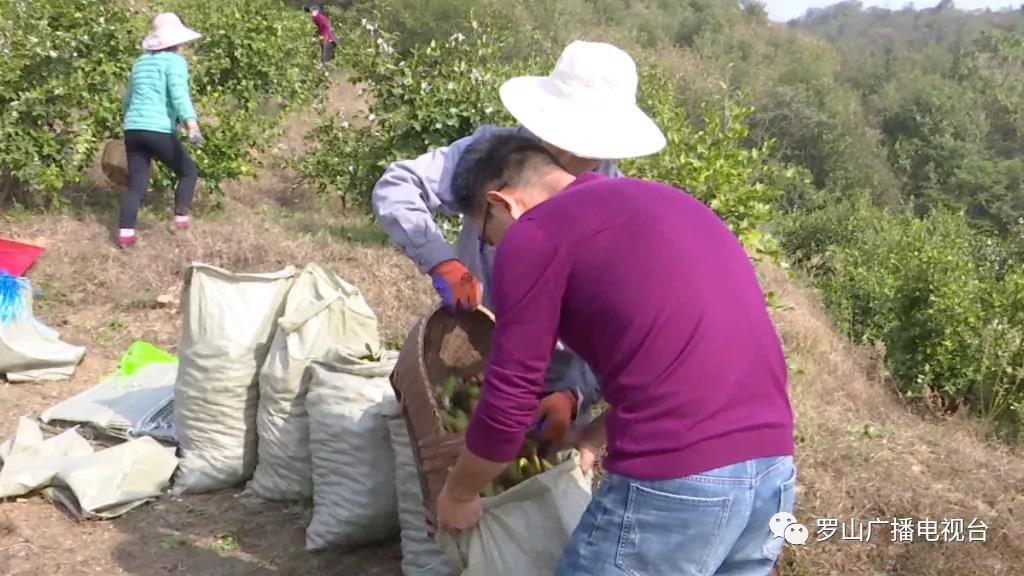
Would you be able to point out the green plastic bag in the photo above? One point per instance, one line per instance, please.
(141, 354)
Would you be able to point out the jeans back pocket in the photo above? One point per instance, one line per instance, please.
(669, 534)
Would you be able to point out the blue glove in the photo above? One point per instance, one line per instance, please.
(443, 290)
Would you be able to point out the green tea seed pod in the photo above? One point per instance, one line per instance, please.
(449, 421)
(442, 400)
(461, 421)
(451, 384)
(524, 468)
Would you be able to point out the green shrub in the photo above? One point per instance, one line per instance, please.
(934, 291)
(811, 224)
(440, 92)
(65, 64)
(419, 100)
(713, 162)
(1003, 395)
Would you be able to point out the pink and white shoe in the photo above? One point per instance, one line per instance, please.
(126, 240)
(182, 223)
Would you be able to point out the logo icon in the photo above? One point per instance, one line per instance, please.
(784, 525)
(796, 534)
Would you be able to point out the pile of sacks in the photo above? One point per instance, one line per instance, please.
(283, 382)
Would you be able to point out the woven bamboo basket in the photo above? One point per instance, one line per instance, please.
(114, 162)
(442, 344)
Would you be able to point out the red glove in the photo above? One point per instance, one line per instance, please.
(456, 285)
(554, 416)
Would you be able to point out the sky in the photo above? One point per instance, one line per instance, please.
(785, 10)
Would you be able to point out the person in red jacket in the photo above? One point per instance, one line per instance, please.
(324, 32)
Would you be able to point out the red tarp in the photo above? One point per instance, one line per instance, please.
(16, 258)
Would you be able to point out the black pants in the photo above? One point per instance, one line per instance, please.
(327, 52)
(141, 147)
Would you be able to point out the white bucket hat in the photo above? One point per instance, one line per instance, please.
(587, 105)
(168, 31)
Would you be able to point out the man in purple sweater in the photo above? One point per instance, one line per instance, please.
(654, 292)
(324, 32)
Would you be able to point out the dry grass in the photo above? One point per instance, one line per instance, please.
(904, 466)
(82, 272)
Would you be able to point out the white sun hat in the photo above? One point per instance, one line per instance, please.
(168, 31)
(587, 105)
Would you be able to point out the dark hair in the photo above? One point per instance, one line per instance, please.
(495, 162)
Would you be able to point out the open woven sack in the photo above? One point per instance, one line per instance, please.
(114, 162)
(440, 345)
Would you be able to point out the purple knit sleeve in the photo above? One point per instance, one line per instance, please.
(529, 279)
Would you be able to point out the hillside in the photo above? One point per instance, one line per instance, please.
(875, 155)
(862, 454)
(940, 91)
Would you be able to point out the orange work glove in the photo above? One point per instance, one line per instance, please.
(554, 416)
(458, 288)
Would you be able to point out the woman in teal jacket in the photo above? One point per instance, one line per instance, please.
(156, 103)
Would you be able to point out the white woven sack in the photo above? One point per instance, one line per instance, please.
(228, 322)
(523, 530)
(30, 462)
(421, 556)
(349, 401)
(321, 311)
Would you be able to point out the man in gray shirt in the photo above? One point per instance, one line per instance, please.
(585, 112)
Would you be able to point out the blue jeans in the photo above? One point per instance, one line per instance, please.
(713, 523)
